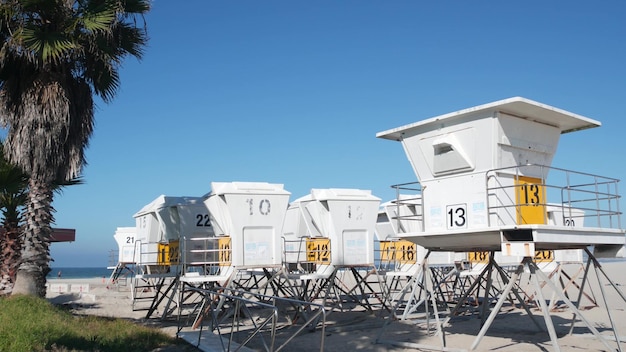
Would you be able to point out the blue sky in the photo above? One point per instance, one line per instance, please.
(294, 92)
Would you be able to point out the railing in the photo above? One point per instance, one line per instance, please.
(113, 257)
(396, 255)
(305, 253)
(205, 255)
(294, 254)
(593, 198)
(152, 258)
(403, 199)
(527, 194)
(240, 318)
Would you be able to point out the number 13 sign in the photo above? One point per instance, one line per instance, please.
(456, 216)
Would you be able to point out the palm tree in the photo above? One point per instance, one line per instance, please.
(13, 196)
(55, 55)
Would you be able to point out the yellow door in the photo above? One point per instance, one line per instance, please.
(531, 200)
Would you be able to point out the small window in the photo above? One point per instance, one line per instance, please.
(443, 148)
(449, 156)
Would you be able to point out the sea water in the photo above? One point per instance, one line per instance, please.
(78, 273)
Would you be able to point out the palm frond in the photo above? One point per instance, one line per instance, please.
(50, 46)
(135, 7)
(98, 18)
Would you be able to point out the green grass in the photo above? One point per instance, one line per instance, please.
(33, 324)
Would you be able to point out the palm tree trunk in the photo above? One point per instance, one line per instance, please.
(31, 275)
(10, 256)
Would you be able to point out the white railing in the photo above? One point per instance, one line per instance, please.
(208, 255)
(408, 194)
(595, 197)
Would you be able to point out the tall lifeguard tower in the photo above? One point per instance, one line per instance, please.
(487, 182)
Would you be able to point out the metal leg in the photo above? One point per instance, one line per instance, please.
(468, 291)
(598, 266)
(485, 304)
(544, 308)
(580, 293)
(575, 310)
(505, 279)
(433, 299)
(496, 309)
(608, 310)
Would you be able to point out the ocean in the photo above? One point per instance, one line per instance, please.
(98, 272)
(79, 273)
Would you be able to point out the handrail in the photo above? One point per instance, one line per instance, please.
(209, 258)
(300, 252)
(306, 255)
(413, 187)
(393, 257)
(597, 196)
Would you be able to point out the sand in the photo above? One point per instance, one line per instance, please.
(358, 329)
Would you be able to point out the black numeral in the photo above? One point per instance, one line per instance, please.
(203, 220)
(531, 194)
(456, 217)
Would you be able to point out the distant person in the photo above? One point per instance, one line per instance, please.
(59, 274)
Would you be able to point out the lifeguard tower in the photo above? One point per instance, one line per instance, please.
(487, 183)
(173, 237)
(247, 218)
(329, 245)
(188, 243)
(126, 261)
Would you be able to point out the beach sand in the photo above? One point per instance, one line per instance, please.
(358, 329)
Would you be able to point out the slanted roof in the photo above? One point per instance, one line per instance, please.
(164, 201)
(516, 106)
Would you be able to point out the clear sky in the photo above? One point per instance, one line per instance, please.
(294, 92)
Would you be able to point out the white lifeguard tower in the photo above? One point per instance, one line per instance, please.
(487, 184)
(329, 240)
(186, 244)
(125, 239)
(173, 236)
(247, 218)
(453, 272)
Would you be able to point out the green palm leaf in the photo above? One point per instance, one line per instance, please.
(50, 46)
(98, 19)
